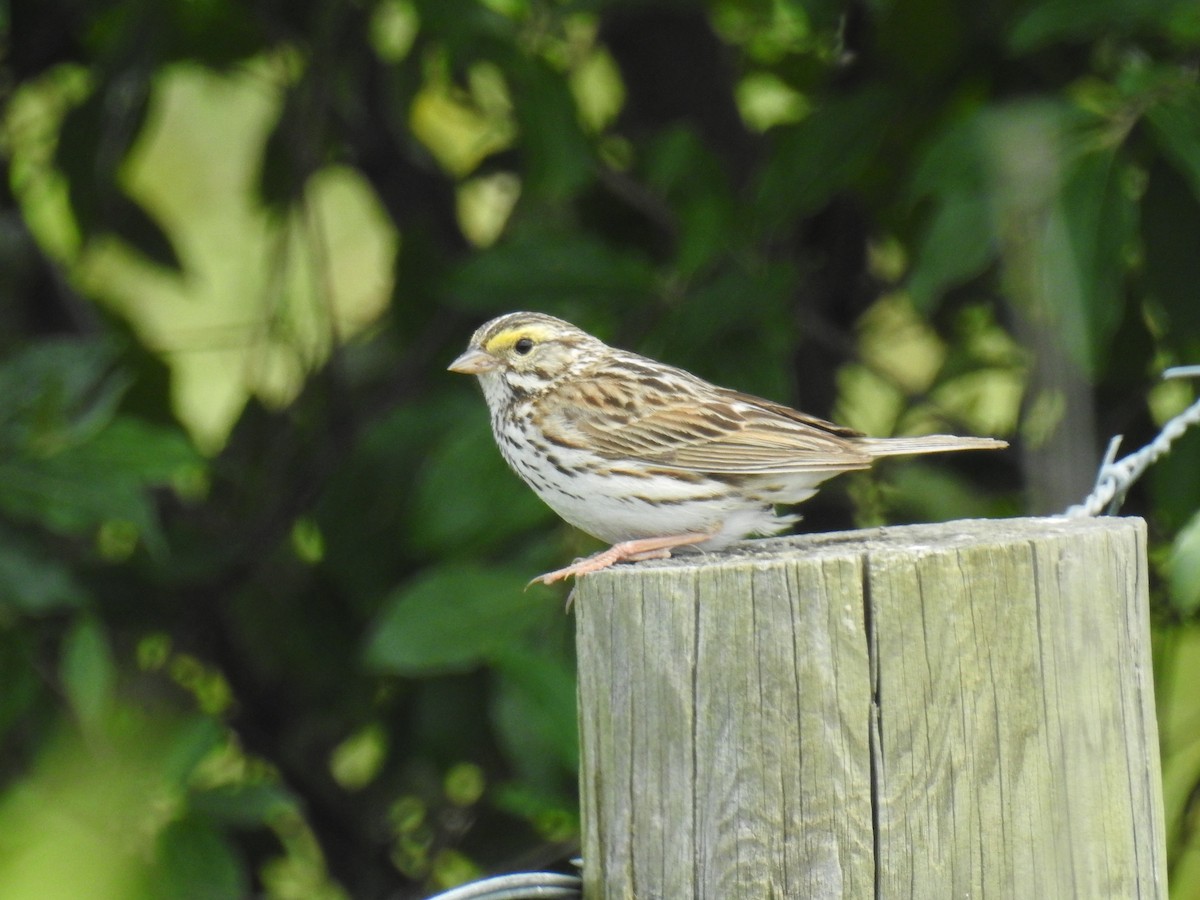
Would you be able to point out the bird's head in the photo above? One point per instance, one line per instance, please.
(525, 353)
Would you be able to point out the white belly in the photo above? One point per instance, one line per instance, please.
(628, 502)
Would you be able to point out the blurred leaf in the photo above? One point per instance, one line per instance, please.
(959, 240)
(1170, 220)
(822, 155)
(555, 818)
(87, 813)
(558, 157)
(92, 810)
(1006, 176)
(466, 496)
(678, 163)
(356, 761)
(242, 805)
(307, 541)
(1176, 482)
(452, 868)
(952, 160)
(957, 245)
(194, 862)
(453, 618)
(921, 492)
(104, 478)
(87, 670)
(70, 462)
(686, 172)
(59, 391)
(1053, 21)
(1101, 218)
(34, 582)
(190, 740)
(1185, 568)
(1175, 125)
(153, 454)
(464, 784)
(540, 268)
(535, 711)
(705, 234)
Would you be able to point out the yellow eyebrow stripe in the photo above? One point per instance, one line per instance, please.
(503, 340)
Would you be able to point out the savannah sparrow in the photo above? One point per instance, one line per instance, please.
(649, 457)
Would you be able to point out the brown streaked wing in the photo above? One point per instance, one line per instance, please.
(685, 423)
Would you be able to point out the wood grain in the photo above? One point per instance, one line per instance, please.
(958, 710)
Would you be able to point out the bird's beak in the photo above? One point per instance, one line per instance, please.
(473, 362)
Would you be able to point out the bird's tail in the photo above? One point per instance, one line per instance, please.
(930, 443)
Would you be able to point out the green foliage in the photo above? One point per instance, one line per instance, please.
(452, 619)
(302, 662)
(829, 152)
(72, 462)
(1185, 568)
(31, 581)
(87, 672)
(544, 266)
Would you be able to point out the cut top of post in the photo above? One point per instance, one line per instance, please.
(940, 537)
(962, 709)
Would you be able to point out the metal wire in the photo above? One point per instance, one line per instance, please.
(1116, 476)
(520, 886)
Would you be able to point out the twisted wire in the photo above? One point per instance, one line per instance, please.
(1117, 476)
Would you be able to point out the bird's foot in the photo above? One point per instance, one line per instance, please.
(626, 551)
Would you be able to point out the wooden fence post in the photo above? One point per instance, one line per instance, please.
(956, 710)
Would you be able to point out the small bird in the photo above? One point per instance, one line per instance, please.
(648, 457)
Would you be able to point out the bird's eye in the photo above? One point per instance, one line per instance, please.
(523, 346)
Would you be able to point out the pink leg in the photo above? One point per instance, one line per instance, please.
(626, 551)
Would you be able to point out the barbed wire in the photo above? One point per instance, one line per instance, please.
(1117, 476)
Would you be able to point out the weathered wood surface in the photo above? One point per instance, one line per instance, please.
(957, 710)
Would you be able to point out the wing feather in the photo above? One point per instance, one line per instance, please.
(679, 421)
